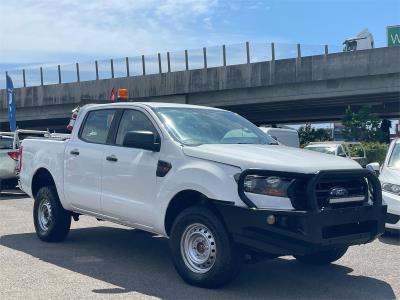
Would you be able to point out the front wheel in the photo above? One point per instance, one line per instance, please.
(322, 257)
(52, 221)
(202, 251)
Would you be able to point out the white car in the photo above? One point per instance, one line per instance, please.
(208, 179)
(390, 180)
(9, 154)
(352, 150)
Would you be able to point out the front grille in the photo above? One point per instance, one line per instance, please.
(355, 192)
(357, 189)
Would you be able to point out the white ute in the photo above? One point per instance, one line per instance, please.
(220, 189)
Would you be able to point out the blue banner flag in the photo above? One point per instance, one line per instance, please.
(11, 104)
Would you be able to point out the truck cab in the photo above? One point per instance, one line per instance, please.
(285, 136)
(364, 40)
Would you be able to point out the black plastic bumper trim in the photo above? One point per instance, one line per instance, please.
(301, 232)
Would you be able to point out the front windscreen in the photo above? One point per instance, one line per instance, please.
(394, 161)
(196, 126)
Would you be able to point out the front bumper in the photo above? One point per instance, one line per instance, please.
(307, 230)
(300, 232)
(393, 204)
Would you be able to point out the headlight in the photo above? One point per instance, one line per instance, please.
(271, 186)
(391, 188)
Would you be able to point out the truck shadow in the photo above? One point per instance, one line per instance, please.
(135, 261)
(390, 239)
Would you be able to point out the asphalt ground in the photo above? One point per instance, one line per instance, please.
(105, 261)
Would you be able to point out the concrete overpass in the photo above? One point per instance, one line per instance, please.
(313, 88)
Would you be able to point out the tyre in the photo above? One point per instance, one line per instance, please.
(322, 257)
(52, 221)
(202, 250)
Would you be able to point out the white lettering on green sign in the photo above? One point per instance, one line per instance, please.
(393, 36)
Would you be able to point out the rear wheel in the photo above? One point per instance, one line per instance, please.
(52, 221)
(202, 251)
(322, 257)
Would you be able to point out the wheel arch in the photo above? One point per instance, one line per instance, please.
(41, 178)
(183, 200)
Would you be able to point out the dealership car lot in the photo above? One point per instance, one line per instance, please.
(102, 260)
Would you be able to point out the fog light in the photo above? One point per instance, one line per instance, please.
(271, 220)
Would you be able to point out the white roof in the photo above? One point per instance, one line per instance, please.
(332, 144)
(151, 104)
(266, 129)
(326, 143)
(316, 145)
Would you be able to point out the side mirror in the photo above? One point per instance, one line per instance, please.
(142, 140)
(342, 155)
(373, 167)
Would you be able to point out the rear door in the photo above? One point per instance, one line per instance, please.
(83, 161)
(129, 174)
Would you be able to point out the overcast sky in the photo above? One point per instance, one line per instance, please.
(62, 31)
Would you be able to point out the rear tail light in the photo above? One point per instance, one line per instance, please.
(73, 119)
(14, 155)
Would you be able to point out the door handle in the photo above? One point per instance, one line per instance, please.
(74, 152)
(112, 158)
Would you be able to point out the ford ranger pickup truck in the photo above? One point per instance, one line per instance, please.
(219, 188)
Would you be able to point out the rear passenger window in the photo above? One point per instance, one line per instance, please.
(341, 151)
(133, 120)
(97, 126)
(6, 142)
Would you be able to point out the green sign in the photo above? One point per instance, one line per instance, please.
(393, 35)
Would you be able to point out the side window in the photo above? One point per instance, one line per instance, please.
(133, 120)
(341, 151)
(97, 126)
(6, 142)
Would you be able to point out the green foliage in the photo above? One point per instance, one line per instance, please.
(376, 152)
(362, 126)
(309, 134)
(356, 150)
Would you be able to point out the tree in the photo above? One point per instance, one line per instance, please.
(362, 126)
(309, 134)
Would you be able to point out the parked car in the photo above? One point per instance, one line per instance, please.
(285, 136)
(352, 150)
(9, 144)
(208, 179)
(8, 162)
(389, 175)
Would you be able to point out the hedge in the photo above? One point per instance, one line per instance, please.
(376, 152)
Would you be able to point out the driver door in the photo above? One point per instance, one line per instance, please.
(129, 183)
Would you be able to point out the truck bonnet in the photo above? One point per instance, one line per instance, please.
(269, 157)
